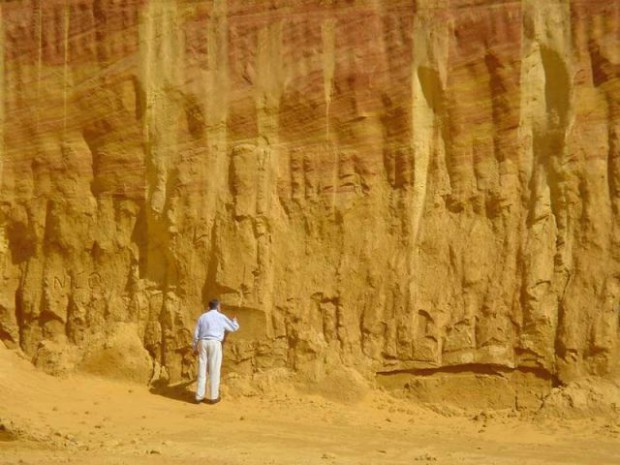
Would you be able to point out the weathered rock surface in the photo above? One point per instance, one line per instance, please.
(394, 185)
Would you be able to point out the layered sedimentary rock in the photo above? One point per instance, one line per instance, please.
(405, 188)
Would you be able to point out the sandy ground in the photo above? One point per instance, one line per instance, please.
(81, 419)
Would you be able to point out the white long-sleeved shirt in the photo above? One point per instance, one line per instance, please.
(212, 325)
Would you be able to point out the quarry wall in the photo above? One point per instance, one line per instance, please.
(411, 189)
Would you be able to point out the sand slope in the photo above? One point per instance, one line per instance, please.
(82, 419)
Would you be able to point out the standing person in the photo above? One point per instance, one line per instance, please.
(208, 337)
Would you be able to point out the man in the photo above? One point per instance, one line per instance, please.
(208, 337)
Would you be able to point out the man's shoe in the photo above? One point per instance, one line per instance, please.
(199, 401)
(213, 401)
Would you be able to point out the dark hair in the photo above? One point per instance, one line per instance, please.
(213, 304)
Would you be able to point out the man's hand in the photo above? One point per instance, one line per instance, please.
(195, 351)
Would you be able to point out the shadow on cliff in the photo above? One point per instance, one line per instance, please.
(178, 391)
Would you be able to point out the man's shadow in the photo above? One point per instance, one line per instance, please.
(177, 391)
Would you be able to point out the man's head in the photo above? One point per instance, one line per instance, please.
(214, 304)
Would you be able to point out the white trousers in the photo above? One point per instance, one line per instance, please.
(209, 359)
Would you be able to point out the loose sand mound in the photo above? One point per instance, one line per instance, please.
(584, 399)
(122, 356)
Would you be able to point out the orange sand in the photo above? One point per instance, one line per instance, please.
(80, 419)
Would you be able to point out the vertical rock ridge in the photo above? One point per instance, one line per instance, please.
(429, 53)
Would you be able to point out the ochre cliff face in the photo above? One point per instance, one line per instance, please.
(401, 187)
